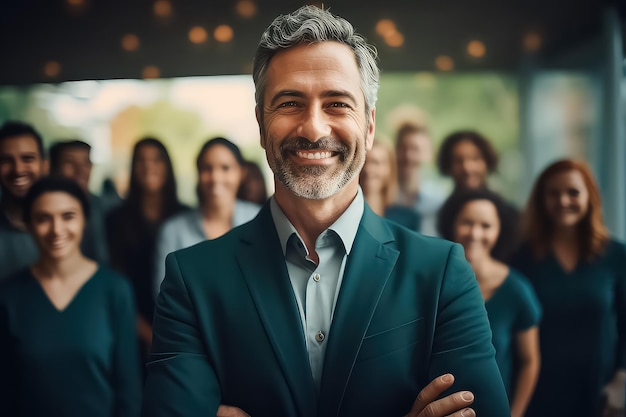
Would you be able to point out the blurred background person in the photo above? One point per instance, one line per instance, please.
(413, 151)
(71, 159)
(69, 345)
(220, 170)
(468, 158)
(132, 227)
(378, 179)
(22, 162)
(252, 187)
(472, 218)
(109, 197)
(579, 275)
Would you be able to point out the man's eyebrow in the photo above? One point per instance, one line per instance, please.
(339, 93)
(326, 94)
(285, 93)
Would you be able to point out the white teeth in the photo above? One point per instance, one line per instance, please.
(20, 181)
(316, 155)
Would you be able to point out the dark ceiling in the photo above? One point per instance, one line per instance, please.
(85, 38)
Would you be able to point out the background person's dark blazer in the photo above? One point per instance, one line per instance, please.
(227, 329)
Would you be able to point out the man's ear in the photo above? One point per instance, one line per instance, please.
(259, 120)
(371, 129)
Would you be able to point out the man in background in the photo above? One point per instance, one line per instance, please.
(22, 163)
(413, 151)
(72, 159)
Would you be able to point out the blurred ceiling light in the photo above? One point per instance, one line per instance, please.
(198, 35)
(385, 26)
(52, 69)
(76, 7)
(476, 49)
(444, 63)
(130, 42)
(223, 33)
(246, 8)
(150, 72)
(162, 8)
(532, 42)
(394, 39)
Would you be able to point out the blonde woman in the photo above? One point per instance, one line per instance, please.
(379, 181)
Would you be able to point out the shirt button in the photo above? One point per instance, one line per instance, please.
(320, 336)
(316, 277)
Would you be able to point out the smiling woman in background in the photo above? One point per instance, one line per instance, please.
(579, 274)
(472, 218)
(69, 345)
(220, 171)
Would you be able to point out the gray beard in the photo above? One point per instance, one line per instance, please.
(311, 183)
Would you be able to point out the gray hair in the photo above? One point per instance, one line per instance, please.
(307, 25)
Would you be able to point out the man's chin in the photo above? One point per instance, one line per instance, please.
(15, 195)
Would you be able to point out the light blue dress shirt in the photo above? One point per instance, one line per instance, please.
(316, 286)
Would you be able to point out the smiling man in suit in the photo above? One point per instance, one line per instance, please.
(318, 307)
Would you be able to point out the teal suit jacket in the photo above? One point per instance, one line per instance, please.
(227, 329)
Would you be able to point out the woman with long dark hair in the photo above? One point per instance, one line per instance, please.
(132, 227)
(579, 275)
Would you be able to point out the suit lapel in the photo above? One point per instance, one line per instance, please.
(367, 270)
(263, 266)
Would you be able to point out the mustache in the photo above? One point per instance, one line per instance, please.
(326, 143)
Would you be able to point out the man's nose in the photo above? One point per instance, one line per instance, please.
(314, 125)
(19, 166)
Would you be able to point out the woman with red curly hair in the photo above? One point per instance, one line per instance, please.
(579, 275)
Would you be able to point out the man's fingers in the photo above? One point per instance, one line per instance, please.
(229, 411)
(456, 404)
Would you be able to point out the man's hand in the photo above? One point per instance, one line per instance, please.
(229, 411)
(426, 404)
(614, 390)
(454, 405)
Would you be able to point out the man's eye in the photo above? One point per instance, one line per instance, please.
(288, 104)
(340, 105)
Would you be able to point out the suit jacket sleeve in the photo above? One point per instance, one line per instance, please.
(462, 341)
(181, 380)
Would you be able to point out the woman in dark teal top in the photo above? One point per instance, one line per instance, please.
(579, 275)
(472, 218)
(67, 325)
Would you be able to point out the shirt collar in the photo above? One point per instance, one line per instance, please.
(346, 226)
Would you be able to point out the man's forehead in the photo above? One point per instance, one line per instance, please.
(75, 153)
(334, 61)
(23, 143)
